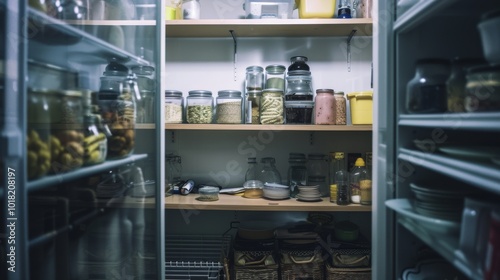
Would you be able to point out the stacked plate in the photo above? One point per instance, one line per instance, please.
(309, 194)
(444, 203)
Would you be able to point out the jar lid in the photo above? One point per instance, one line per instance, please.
(254, 68)
(253, 184)
(339, 93)
(298, 58)
(316, 156)
(115, 69)
(275, 69)
(252, 160)
(325, 90)
(296, 156)
(173, 93)
(299, 78)
(229, 93)
(143, 70)
(200, 93)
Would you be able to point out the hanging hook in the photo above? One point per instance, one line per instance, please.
(235, 52)
(349, 49)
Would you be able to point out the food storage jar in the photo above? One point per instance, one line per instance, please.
(275, 76)
(174, 106)
(38, 134)
(208, 193)
(340, 108)
(324, 107)
(199, 106)
(299, 112)
(361, 104)
(483, 89)
(316, 8)
(268, 172)
(298, 63)
(95, 143)
(252, 106)
(229, 106)
(253, 189)
(271, 107)
(146, 83)
(426, 92)
(254, 78)
(191, 9)
(455, 84)
(173, 171)
(297, 172)
(252, 172)
(299, 87)
(317, 165)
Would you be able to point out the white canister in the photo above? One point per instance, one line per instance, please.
(191, 9)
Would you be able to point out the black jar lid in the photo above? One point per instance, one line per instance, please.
(116, 69)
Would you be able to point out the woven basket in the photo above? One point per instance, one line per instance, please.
(334, 273)
(261, 272)
(301, 265)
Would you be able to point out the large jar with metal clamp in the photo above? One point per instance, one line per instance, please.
(117, 99)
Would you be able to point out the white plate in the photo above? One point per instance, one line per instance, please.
(404, 207)
(481, 153)
(432, 270)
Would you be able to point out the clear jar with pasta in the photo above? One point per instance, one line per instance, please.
(174, 106)
(229, 107)
(199, 107)
(272, 107)
(341, 108)
(38, 134)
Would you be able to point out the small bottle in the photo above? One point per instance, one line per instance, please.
(324, 107)
(275, 77)
(252, 170)
(358, 174)
(343, 192)
(340, 108)
(268, 172)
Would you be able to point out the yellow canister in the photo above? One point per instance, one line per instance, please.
(316, 8)
(361, 104)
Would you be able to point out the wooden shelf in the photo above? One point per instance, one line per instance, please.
(238, 203)
(111, 22)
(268, 27)
(258, 127)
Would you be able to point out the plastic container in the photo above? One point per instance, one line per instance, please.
(483, 89)
(199, 107)
(324, 107)
(174, 106)
(279, 9)
(316, 8)
(299, 112)
(272, 107)
(275, 77)
(229, 106)
(361, 105)
(359, 178)
(208, 193)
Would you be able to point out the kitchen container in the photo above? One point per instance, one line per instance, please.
(338, 178)
(361, 105)
(199, 107)
(357, 177)
(191, 9)
(426, 91)
(455, 84)
(340, 108)
(298, 65)
(95, 142)
(254, 78)
(324, 107)
(275, 76)
(268, 172)
(483, 89)
(146, 84)
(299, 112)
(489, 28)
(297, 172)
(279, 9)
(229, 106)
(252, 106)
(316, 8)
(173, 171)
(253, 189)
(38, 135)
(174, 106)
(208, 193)
(317, 164)
(272, 107)
(299, 88)
(252, 172)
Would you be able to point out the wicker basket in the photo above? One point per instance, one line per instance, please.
(261, 272)
(334, 273)
(304, 264)
(255, 259)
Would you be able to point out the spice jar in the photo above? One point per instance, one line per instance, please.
(275, 77)
(340, 108)
(199, 106)
(426, 92)
(324, 107)
(298, 88)
(483, 89)
(252, 106)
(271, 109)
(455, 85)
(228, 108)
(174, 106)
(254, 79)
(38, 134)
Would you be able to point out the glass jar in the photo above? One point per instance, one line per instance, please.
(297, 172)
(199, 106)
(299, 112)
(268, 172)
(146, 83)
(317, 165)
(191, 9)
(252, 106)
(275, 77)
(298, 63)
(229, 109)
(340, 108)
(174, 106)
(254, 79)
(455, 85)
(298, 88)
(324, 107)
(336, 173)
(252, 172)
(483, 89)
(95, 142)
(38, 134)
(272, 107)
(173, 174)
(426, 92)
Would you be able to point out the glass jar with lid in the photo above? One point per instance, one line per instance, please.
(38, 134)
(426, 92)
(483, 89)
(252, 106)
(297, 172)
(275, 76)
(340, 108)
(229, 106)
(199, 107)
(299, 88)
(268, 172)
(455, 85)
(146, 84)
(324, 107)
(254, 79)
(272, 107)
(173, 171)
(174, 106)
(95, 142)
(317, 165)
(298, 63)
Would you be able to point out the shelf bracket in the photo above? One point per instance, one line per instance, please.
(311, 138)
(349, 49)
(235, 52)
(172, 136)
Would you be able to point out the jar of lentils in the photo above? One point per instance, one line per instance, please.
(272, 106)
(341, 108)
(228, 108)
(199, 106)
(174, 105)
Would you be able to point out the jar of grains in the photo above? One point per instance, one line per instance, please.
(199, 106)
(252, 106)
(228, 108)
(271, 107)
(174, 105)
(340, 108)
(324, 107)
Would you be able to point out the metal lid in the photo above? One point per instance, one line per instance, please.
(275, 69)
(229, 93)
(255, 68)
(298, 58)
(325, 90)
(299, 73)
(298, 78)
(173, 93)
(115, 69)
(339, 93)
(200, 93)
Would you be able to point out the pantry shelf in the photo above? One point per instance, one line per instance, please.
(238, 203)
(260, 127)
(268, 27)
(470, 121)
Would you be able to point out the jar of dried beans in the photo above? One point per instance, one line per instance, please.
(228, 108)
(199, 106)
(272, 106)
(340, 108)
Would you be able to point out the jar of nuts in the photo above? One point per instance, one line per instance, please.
(199, 106)
(341, 107)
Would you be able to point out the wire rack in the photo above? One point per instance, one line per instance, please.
(195, 257)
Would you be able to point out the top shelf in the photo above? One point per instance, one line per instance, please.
(268, 27)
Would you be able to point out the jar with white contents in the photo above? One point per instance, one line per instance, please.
(174, 105)
(229, 109)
